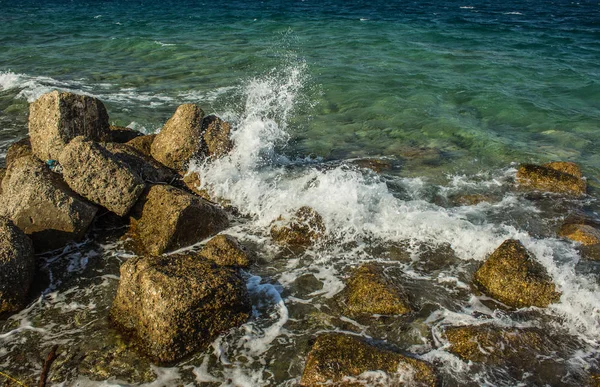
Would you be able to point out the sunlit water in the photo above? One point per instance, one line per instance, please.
(452, 95)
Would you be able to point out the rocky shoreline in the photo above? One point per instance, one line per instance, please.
(74, 168)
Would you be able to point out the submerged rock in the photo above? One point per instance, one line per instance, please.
(142, 144)
(43, 206)
(99, 176)
(144, 166)
(58, 117)
(370, 292)
(225, 250)
(305, 228)
(168, 218)
(547, 179)
(18, 149)
(17, 266)
(216, 136)
(343, 360)
(121, 135)
(471, 200)
(180, 139)
(175, 305)
(512, 276)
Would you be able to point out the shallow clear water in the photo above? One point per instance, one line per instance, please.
(452, 95)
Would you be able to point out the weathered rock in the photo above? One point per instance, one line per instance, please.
(582, 233)
(43, 206)
(2, 174)
(144, 166)
(343, 360)
(101, 177)
(225, 250)
(541, 178)
(369, 291)
(494, 345)
(143, 144)
(512, 276)
(565, 167)
(192, 182)
(58, 117)
(121, 134)
(18, 149)
(17, 266)
(305, 227)
(180, 139)
(216, 136)
(175, 305)
(168, 218)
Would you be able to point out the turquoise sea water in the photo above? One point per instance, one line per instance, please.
(451, 95)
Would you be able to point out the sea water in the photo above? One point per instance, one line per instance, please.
(448, 96)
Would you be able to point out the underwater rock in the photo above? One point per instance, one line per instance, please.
(142, 144)
(370, 292)
(344, 360)
(175, 305)
(17, 266)
(512, 276)
(225, 250)
(121, 134)
(494, 345)
(582, 233)
(144, 166)
(43, 206)
(167, 218)
(99, 176)
(305, 228)
(58, 117)
(18, 149)
(180, 139)
(376, 165)
(542, 178)
(216, 136)
(471, 200)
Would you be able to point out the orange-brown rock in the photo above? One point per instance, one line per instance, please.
(582, 233)
(226, 250)
(142, 144)
(304, 228)
(543, 178)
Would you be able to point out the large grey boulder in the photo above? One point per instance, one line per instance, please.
(167, 218)
(180, 139)
(100, 176)
(58, 117)
(42, 205)
(17, 266)
(175, 305)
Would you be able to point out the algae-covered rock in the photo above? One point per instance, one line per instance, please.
(143, 144)
(369, 291)
(494, 345)
(303, 229)
(542, 178)
(343, 360)
(43, 206)
(225, 250)
(18, 149)
(216, 136)
(121, 135)
(582, 233)
(168, 218)
(512, 276)
(180, 139)
(58, 117)
(146, 167)
(17, 266)
(100, 176)
(567, 167)
(175, 305)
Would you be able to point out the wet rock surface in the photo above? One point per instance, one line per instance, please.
(226, 250)
(582, 233)
(512, 276)
(341, 360)
(216, 136)
(192, 182)
(303, 229)
(167, 218)
(58, 117)
(43, 206)
(17, 266)
(99, 176)
(547, 179)
(175, 305)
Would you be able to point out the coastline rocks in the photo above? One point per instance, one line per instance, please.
(142, 144)
(370, 292)
(175, 305)
(557, 178)
(512, 276)
(225, 250)
(582, 233)
(121, 134)
(167, 218)
(17, 266)
(43, 206)
(18, 149)
(216, 136)
(96, 174)
(58, 117)
(338, 359)
(192, 182)
(180, 139)
(305, 228)
(144, 166)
